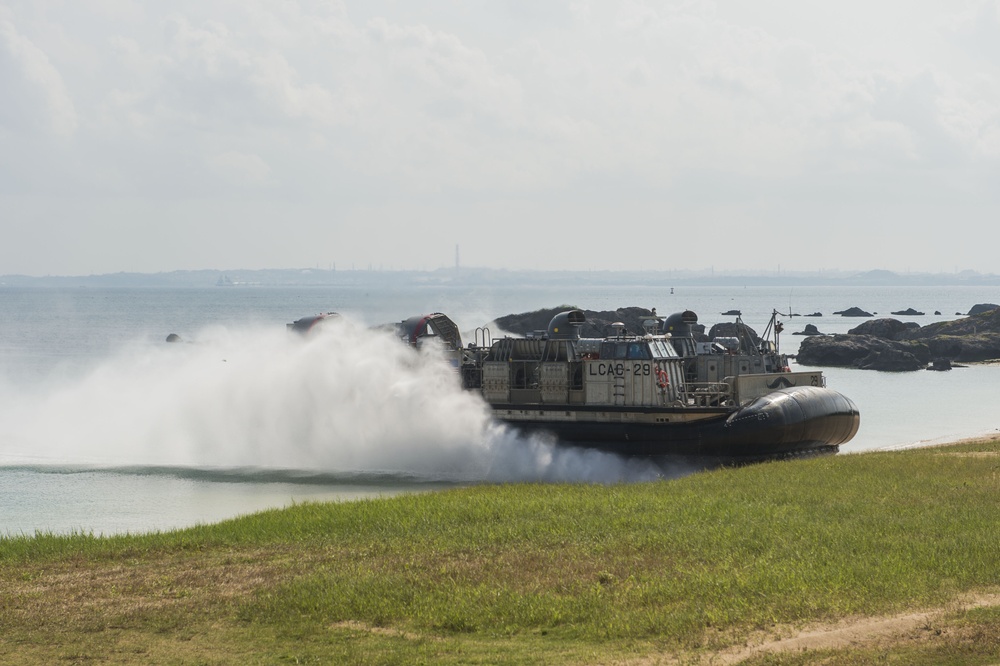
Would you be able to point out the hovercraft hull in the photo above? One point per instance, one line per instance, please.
(802, 420)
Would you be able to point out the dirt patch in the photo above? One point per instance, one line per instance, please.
(864, 631)
(382, 631)
(971, 454)
(856, 632)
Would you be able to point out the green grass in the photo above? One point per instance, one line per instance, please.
(530, 573)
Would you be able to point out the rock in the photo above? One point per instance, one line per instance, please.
(981, 308)
(940, 364)
(965, 340)
(937, 312)
(863, 351)
(969, 349)
(810, 329)
(886, 328)
(908, 312)
(735, 330)
(173, 337)
(987, 321)
(598, 323)
(538, 320)
(815, 314)
(853, 312)
(891, 360)
(837, 350)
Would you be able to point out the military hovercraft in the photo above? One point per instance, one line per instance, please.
(659, 392)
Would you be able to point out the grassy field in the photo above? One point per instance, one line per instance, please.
(681, 571)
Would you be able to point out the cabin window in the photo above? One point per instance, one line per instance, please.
(638, 350)
(614, 349)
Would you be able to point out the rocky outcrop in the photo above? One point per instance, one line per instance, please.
(982, 307)
(888, 344)
(810, 329)
(891, 360)
(814, 314)
(863, 351)
(886, 327)
(735, 330)
(966, 340)
(854, 312)
(908, 312)
(598, 323)
(986, 322)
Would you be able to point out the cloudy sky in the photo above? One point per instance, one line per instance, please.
(566, 134)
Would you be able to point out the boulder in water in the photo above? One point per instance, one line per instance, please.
(940, 364)
(854, 312)
(810, 329)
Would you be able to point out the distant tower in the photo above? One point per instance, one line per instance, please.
(456, 257)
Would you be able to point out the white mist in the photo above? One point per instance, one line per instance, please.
(346, 400)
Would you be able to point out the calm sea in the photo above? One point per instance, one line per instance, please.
(106, 428)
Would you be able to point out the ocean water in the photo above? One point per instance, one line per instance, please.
(106, 428)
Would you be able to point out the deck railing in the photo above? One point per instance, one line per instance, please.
(707, 394)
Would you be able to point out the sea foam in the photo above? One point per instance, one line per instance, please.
(344, 400)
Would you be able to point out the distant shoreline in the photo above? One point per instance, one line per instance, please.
(443, 277)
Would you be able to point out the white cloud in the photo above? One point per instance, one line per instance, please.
(34, 91)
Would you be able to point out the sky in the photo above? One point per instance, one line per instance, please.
(560, 135)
